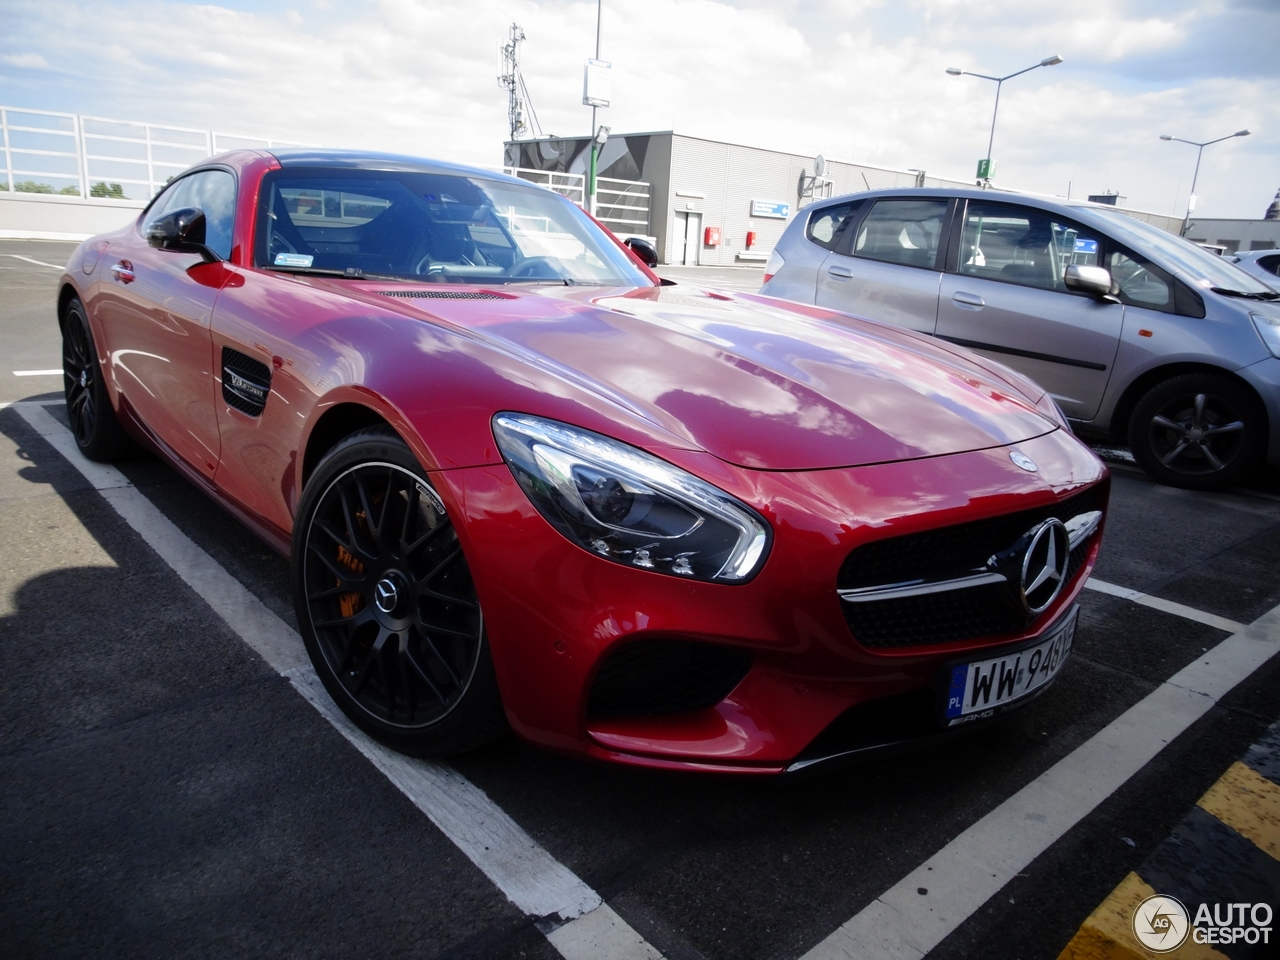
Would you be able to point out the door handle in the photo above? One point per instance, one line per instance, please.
(968, 299)
(123, 271)
(838, 272)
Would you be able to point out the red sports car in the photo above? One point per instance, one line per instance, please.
(523, 482)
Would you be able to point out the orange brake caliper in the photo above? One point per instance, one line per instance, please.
(349, 603)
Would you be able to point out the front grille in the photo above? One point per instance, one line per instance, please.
(665, 676)
(442, 295)
(948, 552)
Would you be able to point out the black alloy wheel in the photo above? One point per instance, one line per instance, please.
(1198, 430)
(93, 421)
(389, 612)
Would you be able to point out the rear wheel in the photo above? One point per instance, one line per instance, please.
(386, 604)
(1198, 430)
(93, 422)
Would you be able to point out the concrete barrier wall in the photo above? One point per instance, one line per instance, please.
(38, 216)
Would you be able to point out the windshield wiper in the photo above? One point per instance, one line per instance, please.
(350, 273)
(1228, 292)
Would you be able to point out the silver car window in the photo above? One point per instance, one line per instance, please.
(826, 224)
(1200, 266)
(1141, 283)
(902, 231)
(1023, 246)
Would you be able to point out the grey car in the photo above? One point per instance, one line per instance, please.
(1135, 333)
(1263, 264)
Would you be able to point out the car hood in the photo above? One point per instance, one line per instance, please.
(753, 381)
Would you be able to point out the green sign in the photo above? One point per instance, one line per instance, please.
(986, 169)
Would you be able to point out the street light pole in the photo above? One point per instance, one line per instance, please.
(1191, 198)
(595, 146)
(999, 82)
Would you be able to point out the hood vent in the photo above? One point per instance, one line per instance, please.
(442, 295)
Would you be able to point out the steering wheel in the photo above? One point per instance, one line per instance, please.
(278, 244)
(538, 268)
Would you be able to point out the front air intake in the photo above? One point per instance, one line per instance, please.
(665, 676)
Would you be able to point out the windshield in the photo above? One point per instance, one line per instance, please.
(436, 228)
(1198, 265)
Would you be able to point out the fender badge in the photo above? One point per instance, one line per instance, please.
(1023, 461)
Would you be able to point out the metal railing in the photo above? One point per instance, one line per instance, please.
(621, 205)
(100, 158)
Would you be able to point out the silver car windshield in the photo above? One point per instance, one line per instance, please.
(1198, 265)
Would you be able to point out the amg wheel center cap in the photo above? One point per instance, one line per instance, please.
(386, 595)
(84, 378)
(1044, 565)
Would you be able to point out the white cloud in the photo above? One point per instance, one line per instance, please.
(854, 79)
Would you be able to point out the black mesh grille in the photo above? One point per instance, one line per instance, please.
(948, 552)
(441, 295)
(246, 382)
(665, 676)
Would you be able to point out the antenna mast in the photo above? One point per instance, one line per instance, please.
(517, 93)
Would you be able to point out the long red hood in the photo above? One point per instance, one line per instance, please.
(754, 381)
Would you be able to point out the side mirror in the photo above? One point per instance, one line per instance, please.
(183, 231)
(643, 249)
(1095, 281)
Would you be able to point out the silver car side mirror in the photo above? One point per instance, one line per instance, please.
(1095, 281)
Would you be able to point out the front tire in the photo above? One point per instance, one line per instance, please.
(93, 421)
(386, 604)
(1201, 431)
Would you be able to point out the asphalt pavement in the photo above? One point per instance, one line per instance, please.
(165, 792)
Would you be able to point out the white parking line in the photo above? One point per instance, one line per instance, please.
(917, 913)
(1166, 606)
(528, 875)
(37, 373)
(38, 263)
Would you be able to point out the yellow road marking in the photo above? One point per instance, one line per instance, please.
(1249, 803)
(1107, 934)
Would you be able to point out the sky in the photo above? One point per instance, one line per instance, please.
(859, 80)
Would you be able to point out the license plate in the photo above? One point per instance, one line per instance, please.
(984, 687)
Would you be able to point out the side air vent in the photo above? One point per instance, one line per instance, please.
(246, 382)
(442, 295)
(665, 676)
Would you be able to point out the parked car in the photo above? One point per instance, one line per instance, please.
(1134, 332)
(522, 482)
(1263, 264)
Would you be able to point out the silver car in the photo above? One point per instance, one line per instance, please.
(1134, 332)
(1263, 264)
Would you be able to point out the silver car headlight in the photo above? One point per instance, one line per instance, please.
(1269, 330)
(627, 506)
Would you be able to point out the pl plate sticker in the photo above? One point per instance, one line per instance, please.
(293, 260)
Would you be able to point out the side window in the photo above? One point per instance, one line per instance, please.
(1023, 246)
(1270, 264)
(902, 231)
(1141, 282)
(826, 224)
(211, 191)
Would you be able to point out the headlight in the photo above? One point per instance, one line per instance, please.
(1268, 330)
(629, 507)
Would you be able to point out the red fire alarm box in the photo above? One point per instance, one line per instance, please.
(711, 237)
(751, 239)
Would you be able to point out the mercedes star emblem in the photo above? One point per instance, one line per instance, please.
(385, 595)
(1023, 461)
(1044, 565)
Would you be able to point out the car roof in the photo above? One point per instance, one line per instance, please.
(974, 193)
(388, 162)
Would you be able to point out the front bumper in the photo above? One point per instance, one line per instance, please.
(554, 612)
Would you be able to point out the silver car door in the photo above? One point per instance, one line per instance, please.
(1007, 300)
(890, 268)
